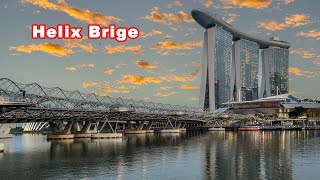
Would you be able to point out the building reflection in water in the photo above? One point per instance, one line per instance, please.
(249, 155)
(212, 155)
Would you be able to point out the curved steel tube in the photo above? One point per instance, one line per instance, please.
(207, 20)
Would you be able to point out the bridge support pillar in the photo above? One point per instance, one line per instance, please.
(171, 128)
(139, 128)
(4, 131)
(82, 132)
(64, 134)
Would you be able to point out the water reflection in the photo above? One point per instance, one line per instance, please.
(213, 155)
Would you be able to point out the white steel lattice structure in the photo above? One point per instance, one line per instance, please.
(32, 103)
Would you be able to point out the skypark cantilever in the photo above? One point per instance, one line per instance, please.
(230, 64)
(207, 20)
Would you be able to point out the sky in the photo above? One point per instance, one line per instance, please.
(164, 63)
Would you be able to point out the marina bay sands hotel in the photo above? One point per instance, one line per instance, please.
(231, 63)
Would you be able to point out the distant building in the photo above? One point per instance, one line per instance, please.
(280, 105)
(230, 64)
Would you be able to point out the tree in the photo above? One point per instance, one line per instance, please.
(298, 111)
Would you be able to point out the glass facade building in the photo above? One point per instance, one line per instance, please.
(278, 70)
(230, 64)
(223, 54)
(249, 64)
(216, 67)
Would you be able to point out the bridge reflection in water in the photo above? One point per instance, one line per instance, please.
(213, 155)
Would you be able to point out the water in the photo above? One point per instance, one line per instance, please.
(212, 155)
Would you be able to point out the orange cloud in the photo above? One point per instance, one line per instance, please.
(168, 18)
(122, 48)
(76, 44)
(294, 92)
(298, 72)
(165, 46)
(139, 80)
(231, 18)
(80, 14)
(144, 65)
(187, 86)
(110, 90)
(297, 20)
(312, 33)
(207, 3)
(168, 36)
(255, 4)
(153, 32)
(74, 68)
(89, 84)
(71, 68)
(304, 53)
(286, 2)
(165, 88)
(294, 20)
(186, 78)
(272, 25)
(164, 94)
(108, 71)
(50, 48)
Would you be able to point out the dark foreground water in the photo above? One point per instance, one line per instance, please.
(212, 155)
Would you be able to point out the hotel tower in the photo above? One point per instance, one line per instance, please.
(230, 64)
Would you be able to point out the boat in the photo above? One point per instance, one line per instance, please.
(250, 128)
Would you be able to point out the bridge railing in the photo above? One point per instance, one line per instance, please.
(44, 97)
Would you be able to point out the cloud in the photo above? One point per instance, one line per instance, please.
(164, 47)
(108, 71)
(286, 2)
(255, 4)
(304, 53)
(272, 25)
(294, 92)
(153, 32)
(168, 18)
(122, 48)
(159, 94)
(194, 98)
(311, 33)
(165, 88)
(71, 68)
(297, 20)
(187, 86)
(207, 3)
(294, 20)
(89, 84)
(231, 18)
(74, 68)
(50, 48)
(79, 14)
(186, 78)
(168, 36)
(76, 44)
(299, 72)
(144, 65)
(139, 80)
(175, 3)
(121, 89)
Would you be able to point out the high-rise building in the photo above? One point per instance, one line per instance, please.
(275, 75)
(244, 84)
(216, 73)
(231, 60)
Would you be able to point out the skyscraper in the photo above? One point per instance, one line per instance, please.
(244, 84)
(231, 60)
(216, 73)
(275, 75)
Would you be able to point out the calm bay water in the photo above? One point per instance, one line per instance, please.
(212, 155)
